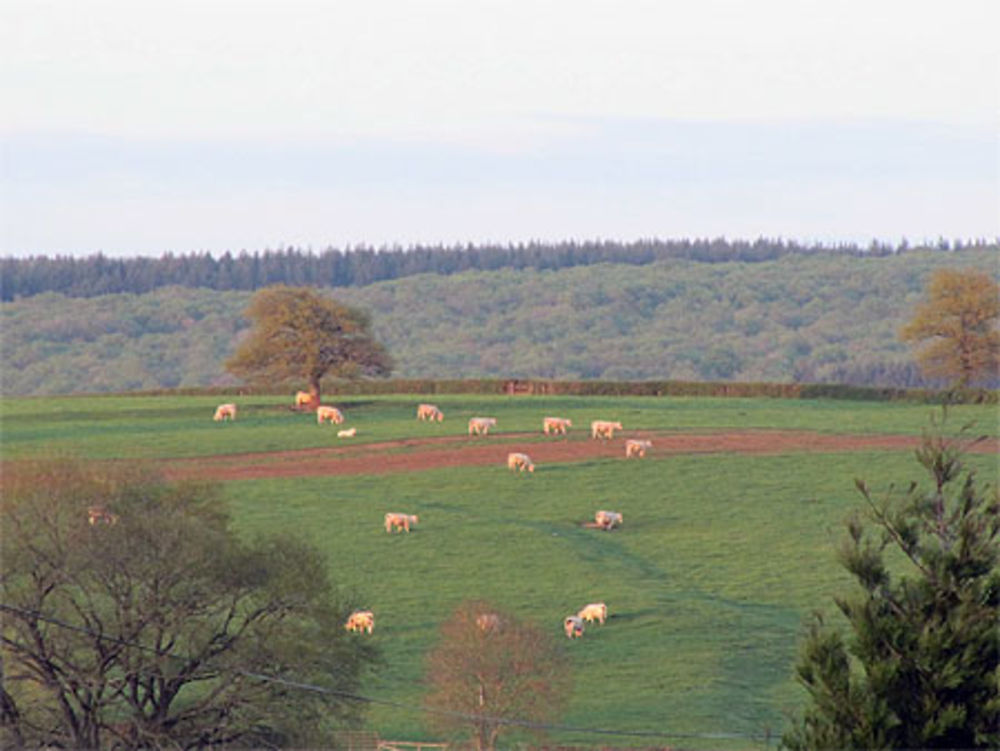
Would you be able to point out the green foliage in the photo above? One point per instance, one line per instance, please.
(823, 318)
(145, 628)
(921, 665)
(298, 334)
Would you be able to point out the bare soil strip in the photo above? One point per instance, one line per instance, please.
(414, 455)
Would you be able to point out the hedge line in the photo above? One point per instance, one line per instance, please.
(428, 386)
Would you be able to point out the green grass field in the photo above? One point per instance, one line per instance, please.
(719, 561)
(162, 427)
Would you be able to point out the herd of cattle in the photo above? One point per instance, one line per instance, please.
(364, 620)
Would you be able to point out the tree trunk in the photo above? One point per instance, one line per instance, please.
(314, 393)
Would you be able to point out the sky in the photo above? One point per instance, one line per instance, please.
(145, 127)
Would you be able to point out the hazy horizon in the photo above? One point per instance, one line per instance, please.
(221, 126)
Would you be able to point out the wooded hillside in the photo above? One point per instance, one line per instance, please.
(801, 317)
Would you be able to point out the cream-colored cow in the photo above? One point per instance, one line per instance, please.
(635, 447)
(520, 462)
(481, 425)
(488, 622)
(429, 412)
(361, 620)
(303, 398)
(608, 519)
(331, 414)
(595, 611)
(349, 433)
(402, 522)
(556, 425)
(604, 429)
(225, 412)
(100, 515)
(573, 626)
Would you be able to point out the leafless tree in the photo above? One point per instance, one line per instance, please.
(490, 667)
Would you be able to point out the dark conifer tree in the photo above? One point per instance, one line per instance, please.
(919, 667)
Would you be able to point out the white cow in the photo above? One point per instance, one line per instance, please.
(520, 462)
(361, 620)
(608, 519)
(635, 447)
(488, 622)
(604, 429)
(225, 412)
(402, 522)
(481, 425)
(429, 412)
(332, 414)
(100, 515)
(573, 626)
(556, 425)
(595, 611)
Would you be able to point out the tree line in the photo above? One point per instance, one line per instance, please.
(359, 266)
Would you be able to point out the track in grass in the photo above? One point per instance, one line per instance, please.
(413, 455)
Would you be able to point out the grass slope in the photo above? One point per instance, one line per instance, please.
(164, 426)
(719, 560)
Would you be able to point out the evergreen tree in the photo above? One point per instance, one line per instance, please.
(920, 667)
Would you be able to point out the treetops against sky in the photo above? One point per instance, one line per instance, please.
(132, 130)
(100, 275)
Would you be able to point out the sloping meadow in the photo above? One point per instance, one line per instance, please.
(719, 559)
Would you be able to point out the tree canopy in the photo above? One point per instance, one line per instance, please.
(957, 327)
(492, 666)
(133, 616)
(922, 661)
(299, 334)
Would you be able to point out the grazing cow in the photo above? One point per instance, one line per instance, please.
(595, 611)
(225, 412)
(100, 515)
(361, 620)
(303, 399)
(608, 519)
(349, 433)
(481, 425)
(332, 414)
(573, 626)
(429, 412)
(634, 447)
(520, 462)
(556, 425)
(488, 622)
(400, 521)
(604, 429)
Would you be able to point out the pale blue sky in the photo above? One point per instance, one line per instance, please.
(146, 127)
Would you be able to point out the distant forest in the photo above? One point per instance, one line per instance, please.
(360, 266)
(802, 318)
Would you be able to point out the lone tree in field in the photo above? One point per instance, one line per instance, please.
(957, 325)
(298, 334)
(152, 625)
(491, 666)
(920, 668)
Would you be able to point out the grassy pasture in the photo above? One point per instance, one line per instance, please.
(172, 426)
(720, 559)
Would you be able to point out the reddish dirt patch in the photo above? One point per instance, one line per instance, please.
(414, 455)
